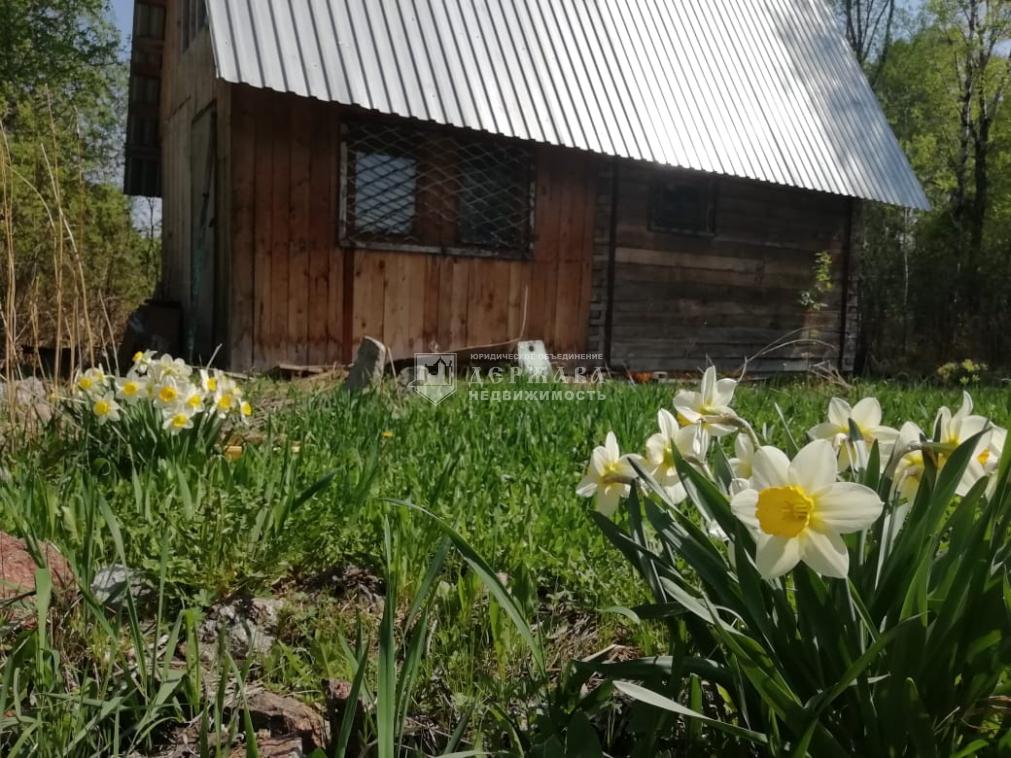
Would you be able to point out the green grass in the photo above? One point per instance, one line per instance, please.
(201, 528)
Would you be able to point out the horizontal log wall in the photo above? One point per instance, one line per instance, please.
(683, 300)
(297, 296)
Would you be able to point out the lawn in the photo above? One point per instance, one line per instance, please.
(309, 506)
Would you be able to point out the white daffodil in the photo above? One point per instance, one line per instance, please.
(744, 454)
(226, 403)
(167, 391)
(990, 457)
(141, 361)
(866, 416)
(105, 408)
(177, 418)
(690, 441)
(209, 380)
(130, 389)
(798, 510)
(952, 429)
(909, 467)
(609, 476)
(167, 367)
(192, 397)
(91, 381)
(245, 411)
(711, 402)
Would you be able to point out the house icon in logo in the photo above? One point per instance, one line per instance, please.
(435, 375)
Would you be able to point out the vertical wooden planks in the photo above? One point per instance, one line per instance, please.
(276, 334)
(397, 297)
(242, 240)
(546, 249)
(458, 310)
(295, 348)
(369, 295)
(263, 230)
(442, 295)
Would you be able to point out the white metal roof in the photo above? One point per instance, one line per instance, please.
(761, 89)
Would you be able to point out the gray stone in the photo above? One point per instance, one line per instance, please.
(410, 376)
(367, 370)
(112, 583)
(29, 396)
(249, 626)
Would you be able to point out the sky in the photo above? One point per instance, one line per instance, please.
(122, 11)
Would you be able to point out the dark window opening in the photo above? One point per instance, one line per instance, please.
(435, 190)
(494, 199)
(682, 204)
(194, 19)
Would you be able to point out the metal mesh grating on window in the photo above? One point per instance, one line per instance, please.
(431, 188)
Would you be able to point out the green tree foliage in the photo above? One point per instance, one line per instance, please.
(75, 265)
(934, 284)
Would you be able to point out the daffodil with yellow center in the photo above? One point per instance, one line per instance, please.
(952, 429)
(209, 381)
(178, 419)
(129, 389)
(709, 405)
(105, 408)
(193, 399)
(142, 360)
(167, 392)
(609, 476)
(91, 381)
(866, 417)
(798, 510)
(691, 441)
(224, 402)
(909, 467)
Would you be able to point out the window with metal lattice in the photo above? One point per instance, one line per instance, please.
(428, 189)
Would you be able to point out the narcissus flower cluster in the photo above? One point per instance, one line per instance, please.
(797, 509)
(179, 392)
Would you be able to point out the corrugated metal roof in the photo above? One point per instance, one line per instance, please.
(761, 89)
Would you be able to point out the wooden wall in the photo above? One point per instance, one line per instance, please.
(189, 88)
(683, 300)
(287, 292)
(298, 297)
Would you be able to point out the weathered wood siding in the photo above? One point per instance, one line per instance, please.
(682, 300)
(297, 296)
(189, 88)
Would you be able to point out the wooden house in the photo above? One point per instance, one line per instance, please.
(657, 182)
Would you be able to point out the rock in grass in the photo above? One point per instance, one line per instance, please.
(112, 583)
(17, 577)
(280, 715)
(30, 399)
(247, 623)
(367, 370)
